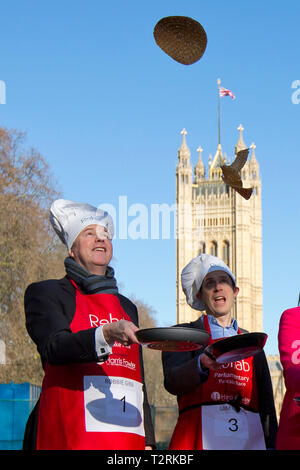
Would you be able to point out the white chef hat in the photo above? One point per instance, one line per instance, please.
(193, 274)
(69, 218)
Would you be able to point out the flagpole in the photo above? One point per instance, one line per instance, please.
(219, 113)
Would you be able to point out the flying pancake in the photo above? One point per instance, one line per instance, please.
(181, 37)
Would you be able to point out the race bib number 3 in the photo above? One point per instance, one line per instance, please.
(113, 404)
(225, 428)
(229, 423)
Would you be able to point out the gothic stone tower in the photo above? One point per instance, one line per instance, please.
(212, 218)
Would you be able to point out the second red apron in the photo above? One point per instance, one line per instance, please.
(221, 413)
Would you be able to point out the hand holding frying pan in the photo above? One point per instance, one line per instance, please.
(122, 331)
(208, 362)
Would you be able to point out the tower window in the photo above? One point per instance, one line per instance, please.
(214, 249)
(225, 254)
(202, 248)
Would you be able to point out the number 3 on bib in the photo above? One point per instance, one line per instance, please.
(233, 427)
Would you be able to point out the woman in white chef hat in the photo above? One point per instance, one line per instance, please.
(221, 406)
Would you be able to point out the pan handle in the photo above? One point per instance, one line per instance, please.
(209, 354)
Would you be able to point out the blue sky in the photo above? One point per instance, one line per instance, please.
(105, 106)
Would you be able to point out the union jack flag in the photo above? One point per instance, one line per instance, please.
(224, 92)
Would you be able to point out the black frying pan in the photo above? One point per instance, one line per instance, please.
(236, 347)
(173, 338)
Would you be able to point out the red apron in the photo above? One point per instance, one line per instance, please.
(93, 406)
(221, 413)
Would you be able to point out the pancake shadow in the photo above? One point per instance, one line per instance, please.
(114, 411)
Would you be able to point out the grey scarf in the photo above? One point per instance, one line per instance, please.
(91, 283)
